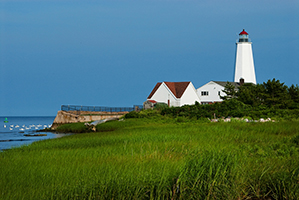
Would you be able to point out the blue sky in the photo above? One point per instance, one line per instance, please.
(112, 53)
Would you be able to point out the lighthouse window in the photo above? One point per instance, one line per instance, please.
(204, 93)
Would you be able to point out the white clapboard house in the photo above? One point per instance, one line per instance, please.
(174, 94)
(211, 92)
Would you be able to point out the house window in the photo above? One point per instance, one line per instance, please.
(218, 93)
(204, 93)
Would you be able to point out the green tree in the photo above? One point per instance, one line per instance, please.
(276, 94)
(251, 94)
(230, 91)
(294, 94)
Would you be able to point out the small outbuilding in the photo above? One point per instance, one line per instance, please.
(149, 104)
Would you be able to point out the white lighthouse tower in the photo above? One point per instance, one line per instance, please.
(244, 68)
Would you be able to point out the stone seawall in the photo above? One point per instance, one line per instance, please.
(66, 117)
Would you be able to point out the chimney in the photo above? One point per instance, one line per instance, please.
(241, 81)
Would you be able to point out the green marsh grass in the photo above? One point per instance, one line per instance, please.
(158, 158)
(72, 128)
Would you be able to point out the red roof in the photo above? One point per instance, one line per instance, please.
(243, 32)
(154, 90)
(153, 101)
(177, 88)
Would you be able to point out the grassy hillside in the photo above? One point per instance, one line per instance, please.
(158, 158)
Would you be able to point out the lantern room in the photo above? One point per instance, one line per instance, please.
(243, 36)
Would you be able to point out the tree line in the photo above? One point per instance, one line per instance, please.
(272, 94)
(271, 99)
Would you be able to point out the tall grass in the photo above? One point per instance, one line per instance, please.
(73, 128)
(208, 175)
(158, 159)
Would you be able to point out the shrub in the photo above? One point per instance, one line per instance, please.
(142, 114)
(160, 106)
(148, 113)
(132, 114)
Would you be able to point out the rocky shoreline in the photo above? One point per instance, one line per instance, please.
(67, 117)
(230, 119)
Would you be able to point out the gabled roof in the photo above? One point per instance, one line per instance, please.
(154, 90)
(177, 88)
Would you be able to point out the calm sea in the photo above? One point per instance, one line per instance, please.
(12, 130)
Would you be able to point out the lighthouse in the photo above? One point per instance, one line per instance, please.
(244, 66)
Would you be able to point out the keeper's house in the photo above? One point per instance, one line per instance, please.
(174, 94)
(211, 92)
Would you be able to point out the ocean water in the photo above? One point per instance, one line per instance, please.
(13, 129)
